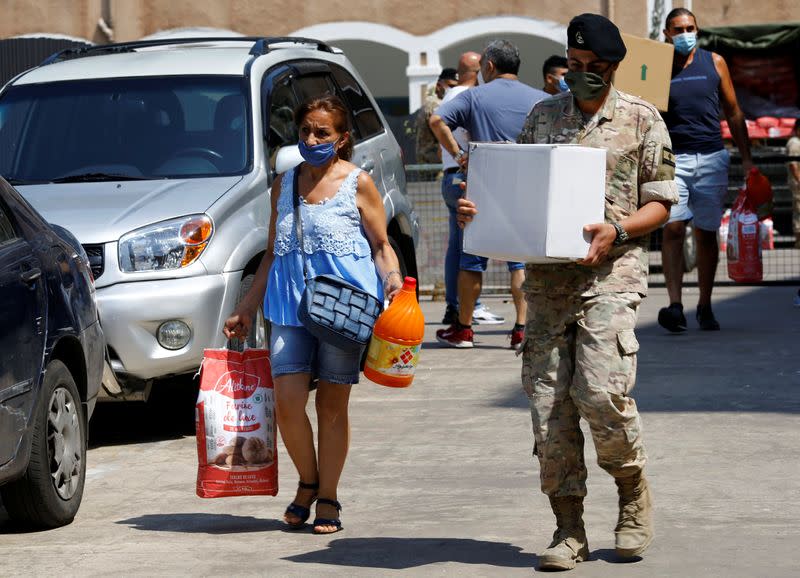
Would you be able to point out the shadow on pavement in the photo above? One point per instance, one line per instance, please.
(609, 555)
(404, 553)
(751, 365)
(168, 414)
(203, 523)
(8, 526)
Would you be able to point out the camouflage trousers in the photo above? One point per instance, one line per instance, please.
(579, 361)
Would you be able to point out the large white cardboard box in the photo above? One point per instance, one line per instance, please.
(533, 200)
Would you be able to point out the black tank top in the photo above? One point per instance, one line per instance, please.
(693, 114)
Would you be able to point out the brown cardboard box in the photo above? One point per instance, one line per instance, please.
(646, 70)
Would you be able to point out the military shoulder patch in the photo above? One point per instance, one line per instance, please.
(667, 157)
(666, 168)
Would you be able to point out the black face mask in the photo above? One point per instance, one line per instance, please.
(585, 85)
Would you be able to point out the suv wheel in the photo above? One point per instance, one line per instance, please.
(259, 330)
(401, 260)
(396, 246)
(50, 492)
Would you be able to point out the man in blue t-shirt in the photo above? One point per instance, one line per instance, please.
(494, 111)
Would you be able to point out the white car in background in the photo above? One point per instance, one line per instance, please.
(158, 155)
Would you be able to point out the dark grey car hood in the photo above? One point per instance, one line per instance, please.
(103, 212)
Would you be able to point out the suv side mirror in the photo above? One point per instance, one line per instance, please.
(287, 158)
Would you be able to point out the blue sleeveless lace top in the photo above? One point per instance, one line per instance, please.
(334, 243)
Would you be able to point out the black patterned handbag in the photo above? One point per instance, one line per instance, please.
(331, 309)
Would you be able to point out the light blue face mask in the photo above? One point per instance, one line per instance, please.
(562, 85)
(684, 43)
(317, 155)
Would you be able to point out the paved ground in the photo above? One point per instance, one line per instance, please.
(441, 482)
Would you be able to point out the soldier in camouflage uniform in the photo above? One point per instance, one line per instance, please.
(428, 151)
(579, 354)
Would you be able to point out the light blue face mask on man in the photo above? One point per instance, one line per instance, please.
(562, 85)
(684, 43)
(317, 155)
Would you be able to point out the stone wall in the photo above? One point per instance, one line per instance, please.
(133, 19)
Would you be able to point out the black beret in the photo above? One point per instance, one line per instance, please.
(598, 34)
(449, 74)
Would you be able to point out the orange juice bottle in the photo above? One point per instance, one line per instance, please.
(396, 339)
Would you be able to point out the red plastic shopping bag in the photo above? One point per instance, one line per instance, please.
(744, 243)
(235, 420)
(758, 191)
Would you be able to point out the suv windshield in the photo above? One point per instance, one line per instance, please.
(125, 128)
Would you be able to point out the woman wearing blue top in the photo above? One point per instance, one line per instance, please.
(344, 233)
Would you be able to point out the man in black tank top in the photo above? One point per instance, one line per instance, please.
(701, 84)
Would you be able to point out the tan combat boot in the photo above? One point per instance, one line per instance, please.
(569, 540)
(634, 530)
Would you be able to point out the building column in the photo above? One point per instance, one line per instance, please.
(423, 70)
(657, 11)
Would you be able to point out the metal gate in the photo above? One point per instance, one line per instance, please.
(781, 264)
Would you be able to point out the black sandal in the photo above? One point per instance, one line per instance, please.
(299, 511)
(328, 521)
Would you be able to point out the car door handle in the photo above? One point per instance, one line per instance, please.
(30, 275)
(368, 165)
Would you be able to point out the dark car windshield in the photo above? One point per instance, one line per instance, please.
(124, 128)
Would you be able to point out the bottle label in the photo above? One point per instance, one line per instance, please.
(392, 359)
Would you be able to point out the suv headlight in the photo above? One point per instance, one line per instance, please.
(167, 245)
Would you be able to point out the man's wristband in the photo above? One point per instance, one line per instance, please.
(459, 155)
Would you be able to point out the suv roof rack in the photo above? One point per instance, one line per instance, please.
(261, 45)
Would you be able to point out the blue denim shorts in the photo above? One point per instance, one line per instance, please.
(295, 350)
(478, 263)
(702, 181)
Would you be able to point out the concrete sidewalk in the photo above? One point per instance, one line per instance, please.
(441, 482)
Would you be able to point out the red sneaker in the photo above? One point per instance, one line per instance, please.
(454, 337)
(517, 336)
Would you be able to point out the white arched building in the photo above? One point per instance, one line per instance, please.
(425, 53)
(399, 66)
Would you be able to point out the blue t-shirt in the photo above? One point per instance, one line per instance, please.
(492, 112)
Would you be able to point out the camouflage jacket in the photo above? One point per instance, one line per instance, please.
(640, 167)
(428, 151)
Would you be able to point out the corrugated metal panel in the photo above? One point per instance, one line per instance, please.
(20, 54)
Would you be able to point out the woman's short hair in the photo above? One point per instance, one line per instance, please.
(334, 106)
(504, 55)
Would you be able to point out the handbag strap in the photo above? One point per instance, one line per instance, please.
(298, 222)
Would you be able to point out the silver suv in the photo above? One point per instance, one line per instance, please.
(158, 156)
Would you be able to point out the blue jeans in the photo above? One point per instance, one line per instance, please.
(295, 350)
(702, 181)
(478, 264)
(455, 240)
